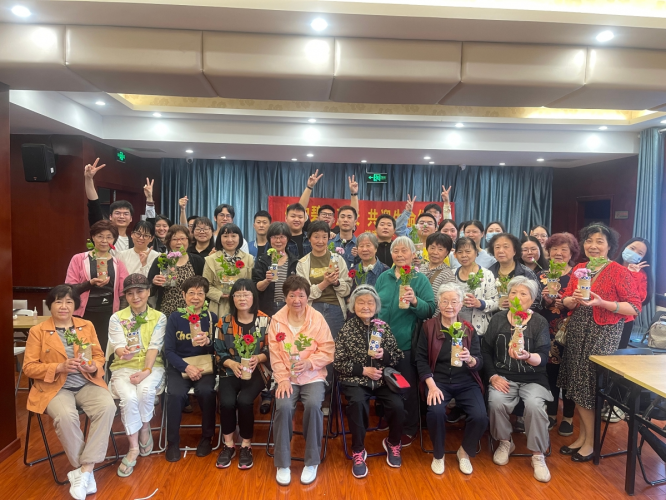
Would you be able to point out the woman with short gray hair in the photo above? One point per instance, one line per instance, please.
(368, 270)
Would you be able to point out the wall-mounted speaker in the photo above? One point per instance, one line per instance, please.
(38, 162)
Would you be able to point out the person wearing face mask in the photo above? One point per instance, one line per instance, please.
(532, 254)
(346, 240)
(495, 227)
(636, 255)
(385, 225)
(540, 233)
(436, 269)
(474, 230)
(369, 268)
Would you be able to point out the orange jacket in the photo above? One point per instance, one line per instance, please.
(44, 352)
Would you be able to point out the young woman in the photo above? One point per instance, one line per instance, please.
(532, 254)
(162, 225)
(140, 257)
(540, 233)
(204, 244)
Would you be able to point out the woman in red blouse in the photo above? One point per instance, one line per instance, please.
(595, 327)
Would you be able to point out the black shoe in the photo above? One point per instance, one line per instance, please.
(393, 457)
(172, 452)
(455, 415)
(565, 450)
(265, 406)
(204, 447)
(225, 456)
(552, 422)
(188, 408)
(565, 429)
(577, 457)
(407, 440)
(245, 459)
(519, 425)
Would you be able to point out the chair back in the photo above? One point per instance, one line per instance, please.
(45, 310)
(20, 304)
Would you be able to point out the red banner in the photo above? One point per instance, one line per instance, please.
(369, 210)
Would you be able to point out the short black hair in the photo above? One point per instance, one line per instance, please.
(612, 236)
(430, 206)
(195, 282)
(244, 285)
(385, 216)
(348, 207)
(445, 222)
(317, 226)
(295, 206)
(104, 225)
(499, 223)
(60, 292)
(514, 241)
(145, 227)
(542, 262)
(263, 213)
(173, 230)
(219, 208)
(476, 223)
(229, 229)
(294, 283)
(466, 242)
(440, 239)
(164, 218)
(191, 218)
(425, 214)
(326, 207)
(646, 258)
(542, 227)
(278, 229)
(121, 204)
(203, 221)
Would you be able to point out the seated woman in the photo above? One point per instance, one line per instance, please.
(302, 378)
(437, 271)
(136, 335)
(228, 245)
(361, 376)
(100, 295)
(518, 375)
(271, 299)
(237, 395)
(179, 346)
(63, 382)
(140, 257)
(368, 270)
(443, 381)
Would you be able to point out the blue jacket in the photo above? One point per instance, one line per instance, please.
(349, 258)
(292, 247)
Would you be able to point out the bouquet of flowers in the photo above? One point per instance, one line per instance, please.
(520, 316)
(102, 262)
(457, 333)
(502, 283)
(84, 349)
(194, 320)
(228, 273)
(358, 275)
(378, 330)
(301, 343)
(474, 280)
(245, 346)
(166, 262)
(555, 270)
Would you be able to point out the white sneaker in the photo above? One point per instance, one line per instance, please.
(283, 476)
(309, 474)
(92, 485)
(541, 472)
(464, 464)
(505, 448)
(79, 483)
(437, 466)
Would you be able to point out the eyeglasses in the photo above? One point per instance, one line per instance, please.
(201, 229)
(192, 294)
(225, 216)
(99, 237)
(445, 303)
(184, 238)
(141, 236)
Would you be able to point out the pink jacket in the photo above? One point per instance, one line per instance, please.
(320, 353)
(79, 272)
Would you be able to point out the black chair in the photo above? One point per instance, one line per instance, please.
(344, 431)
(659, 404)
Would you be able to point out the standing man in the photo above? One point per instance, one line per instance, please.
(326, 213)
(298, 243)
(385, 225)
(433, 209)
(262, 219)
(347, 217)
(224, 214)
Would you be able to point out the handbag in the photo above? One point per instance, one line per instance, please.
(395, 381)
(203, 362)
(656, 335)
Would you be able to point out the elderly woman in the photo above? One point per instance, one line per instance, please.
(100, 290)
(437, 271)
(368, 270)
(361, 376)
(474, 230)
(420, 302)
(480, 299)
(516, 375)
(228, 245)
(271, 299)
(442, 381)
(64, 381)
(300, 375)
(170, 298)
(506, 248)
(136, 335)
(179, 348)
(563, 248)
(595, 327)
(236, 394)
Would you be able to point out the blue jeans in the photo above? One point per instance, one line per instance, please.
(334, 318)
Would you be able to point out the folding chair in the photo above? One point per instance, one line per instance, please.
(49, 456)
(344, 431)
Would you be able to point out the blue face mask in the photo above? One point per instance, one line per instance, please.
(489, 236)
(461, 234)
(630, 256)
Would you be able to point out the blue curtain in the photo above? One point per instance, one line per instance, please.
(648, 201)
(518, 196)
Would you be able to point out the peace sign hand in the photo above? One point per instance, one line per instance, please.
(409, 206)
(148, 190)
(90, 170)
(353, 185)
(314, 179)
(635, 268)
(446, 195)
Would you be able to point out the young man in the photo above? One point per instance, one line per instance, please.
(224, 214)
(347, 216)
(262, 219)
(385, 228)
(433, 209)
(298, 243)
(328, 214)
(120, 212)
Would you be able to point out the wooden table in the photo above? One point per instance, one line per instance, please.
(640, 372)
(27, 322)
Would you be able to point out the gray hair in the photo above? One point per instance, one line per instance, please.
(368, 236)
(451, 287)
(365, 290)
(531, 285)
(404, 241)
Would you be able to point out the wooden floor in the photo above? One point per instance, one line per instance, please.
(197, 478)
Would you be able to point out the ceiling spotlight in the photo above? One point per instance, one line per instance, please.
(189, 151)
(223, 157)
(540, 159)
(21, 11)
(460, 125)
(157, 115)
(426, 157)
(603, 127)
(431, 162)
(294, 159)
(312, 120)
(319, 24)
(605, 36)
(100, 103)
(663, 122)
(364, 161)
(310, 155)
(502, 164)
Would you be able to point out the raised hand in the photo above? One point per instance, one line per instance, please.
(409, 206)
(143, 257)
(314, 179)
(90, 170)
(634, 268)
(182, 203)
(148, 190)
(446, 194)
(353, 185)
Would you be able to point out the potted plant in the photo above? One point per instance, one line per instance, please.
(167, 262)
(520, 316)
(85, 350)
(275, 259)
(586, 273)
(502, 284)
(555, 271)
(132, 329)
(301, 343)
(376, 334)
(406, 274)
(245, 345)
(228, 274)
(333, 264)
(457, 333)
(102, 263)
(194, 320)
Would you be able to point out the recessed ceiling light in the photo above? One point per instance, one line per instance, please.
(100, 103)
(319, 24)
(21, 11)
(460, 125)
(364, 161)
(502, 164)
(540, 159)
(663, 122)
(431, 162)
(603, 127)
(605, 36)
(189, 151)
(310, 155)
(294, 159)
(223, 157)
(157, 115)
(312, 120)
(426, 157)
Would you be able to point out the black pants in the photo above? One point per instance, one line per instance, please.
(239, 394)
(568, 405)
(358, 410)
(177, 389)
(626, 335)
(468, 397)
(100, 321)
(411, 398)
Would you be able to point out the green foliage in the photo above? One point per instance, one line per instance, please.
(474, 280)
(456, 331)
(555, 269)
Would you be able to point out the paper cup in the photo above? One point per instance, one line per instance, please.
(245, 365)
(456, 349)
(402, 304)
(195, 332)
(375, 343)
(274, 270)
(553, 287)
(293, 359)
(584, 285)
(517, 339)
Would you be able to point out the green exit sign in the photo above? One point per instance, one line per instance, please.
(121, 156)
(376, 178)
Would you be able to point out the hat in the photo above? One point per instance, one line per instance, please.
(135, 280)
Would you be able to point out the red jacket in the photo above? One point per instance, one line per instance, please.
(614, 283)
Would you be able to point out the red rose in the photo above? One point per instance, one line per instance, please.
(407, 269)
(522, 315)
(111, 246)
(194, 318)
(280, 336)
(248, 339)
(352, 273)
(240, 264)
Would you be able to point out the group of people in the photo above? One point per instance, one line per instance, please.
(308, 304)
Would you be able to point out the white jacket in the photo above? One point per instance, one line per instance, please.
(486, 292)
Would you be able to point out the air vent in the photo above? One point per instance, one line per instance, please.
(144, 150)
